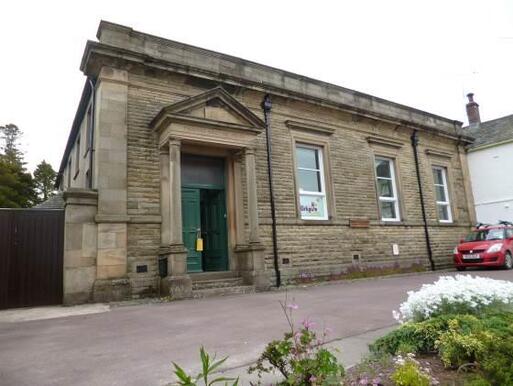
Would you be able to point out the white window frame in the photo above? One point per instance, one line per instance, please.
(446, 203)
(322, 193)
(395, 198)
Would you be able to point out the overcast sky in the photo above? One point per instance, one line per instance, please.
(424, 54)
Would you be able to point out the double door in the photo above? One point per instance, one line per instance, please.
(204, 217)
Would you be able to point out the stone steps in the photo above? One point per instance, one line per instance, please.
(217, 283)
(220, 287)
(223, 291)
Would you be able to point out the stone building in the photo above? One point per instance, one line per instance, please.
(168, 151)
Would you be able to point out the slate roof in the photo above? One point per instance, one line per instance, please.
(491, 132)
(54, 202)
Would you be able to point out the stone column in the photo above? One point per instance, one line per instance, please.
(254, 236)
(178, 283)
(252, 256)
(165, 199)
(240, 224)
(467, 186)
(80, 245)
(175, 187)
(111, 181)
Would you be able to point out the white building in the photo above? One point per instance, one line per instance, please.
(490, 160)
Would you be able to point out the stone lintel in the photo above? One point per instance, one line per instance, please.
(438, 153)
(311, 127)
(384, 141)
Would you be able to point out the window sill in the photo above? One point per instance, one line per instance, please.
(303, 221)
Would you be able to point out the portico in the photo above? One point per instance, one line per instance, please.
(210, 128)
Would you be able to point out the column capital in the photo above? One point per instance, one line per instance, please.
(174, 142)
(249, 150)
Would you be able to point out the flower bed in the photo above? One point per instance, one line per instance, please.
(460, 294)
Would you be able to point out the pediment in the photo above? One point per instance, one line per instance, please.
(215, 107)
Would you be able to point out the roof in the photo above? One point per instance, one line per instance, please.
(492, 132)
(54, 202)
(75, 127)
(120, 43)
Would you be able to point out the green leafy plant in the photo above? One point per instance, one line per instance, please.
(208, 365)
(409, 373)
(300, 356)
(460, 344)
(412, 337)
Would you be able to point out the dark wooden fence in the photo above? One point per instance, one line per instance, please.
(31, 257)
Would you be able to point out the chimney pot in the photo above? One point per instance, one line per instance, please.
(474, 119)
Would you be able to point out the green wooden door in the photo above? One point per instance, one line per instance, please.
(213, 226)
(191, 224)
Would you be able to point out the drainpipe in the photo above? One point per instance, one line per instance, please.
(91, 150)
(414, 144)
(267, 106)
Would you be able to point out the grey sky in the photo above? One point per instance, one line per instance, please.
(425, 54)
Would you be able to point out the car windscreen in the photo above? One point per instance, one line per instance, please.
(485, 234)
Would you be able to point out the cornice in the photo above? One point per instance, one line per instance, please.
(307, 126)
(384, 141)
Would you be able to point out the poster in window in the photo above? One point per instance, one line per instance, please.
(313, 207)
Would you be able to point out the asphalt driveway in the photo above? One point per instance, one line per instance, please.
(134, 345)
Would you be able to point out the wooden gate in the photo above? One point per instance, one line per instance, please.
(31, 257)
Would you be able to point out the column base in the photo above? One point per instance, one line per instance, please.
(252, 267)
(177, 287)
(111, 290)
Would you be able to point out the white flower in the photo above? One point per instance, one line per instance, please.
(450, 292)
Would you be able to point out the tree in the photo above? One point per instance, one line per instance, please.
(44, 180)
(11, 135)
(16, 184)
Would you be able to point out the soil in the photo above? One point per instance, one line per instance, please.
(381, 369)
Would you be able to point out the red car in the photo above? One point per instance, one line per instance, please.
(486, 246)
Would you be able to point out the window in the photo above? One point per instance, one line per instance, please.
(312, 190)
(77, 156)
(443, 205)
(387, 189)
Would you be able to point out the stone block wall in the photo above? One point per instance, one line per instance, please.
(320, 248)
(80, 245)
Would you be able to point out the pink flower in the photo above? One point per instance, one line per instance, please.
(308, 324)
(313, 379)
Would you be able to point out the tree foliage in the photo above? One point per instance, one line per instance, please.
(17, 189)
(44, 180)
(11, 134)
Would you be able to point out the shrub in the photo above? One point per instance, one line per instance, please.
(412, 337)
(409, 373)
(485, 341)
(459, 344)
(460, 294)
(299, 356)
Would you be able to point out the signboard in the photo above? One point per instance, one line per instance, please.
(313, 207)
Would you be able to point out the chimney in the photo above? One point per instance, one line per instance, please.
(474, 120)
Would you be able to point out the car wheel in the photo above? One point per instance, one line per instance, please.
(508, 261)
(461, 268)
